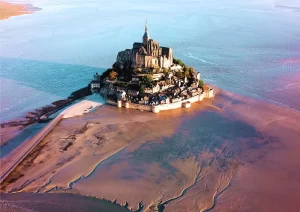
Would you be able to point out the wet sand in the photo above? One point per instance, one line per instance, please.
(8, 10)
(226, 154)
(24, 202)
(268, 177)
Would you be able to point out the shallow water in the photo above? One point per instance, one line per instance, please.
(249, 47)
(27, 85)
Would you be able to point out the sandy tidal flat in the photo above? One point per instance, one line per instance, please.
(221, 155)
(24, 202)
(8, 10)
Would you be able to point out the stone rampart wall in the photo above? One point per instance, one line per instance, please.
(209, 93)
(140, 107)
(176, 105)
(111, 102)
(171, 106)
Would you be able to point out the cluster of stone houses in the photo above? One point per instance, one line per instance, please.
(165, 88)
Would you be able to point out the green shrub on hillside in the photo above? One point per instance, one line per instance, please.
(178, 62)
(201, 83)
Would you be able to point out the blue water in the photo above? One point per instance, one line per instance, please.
(248, 47)
(26, 84)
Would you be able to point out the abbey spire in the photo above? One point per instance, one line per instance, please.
(146, 26)
(146, 36)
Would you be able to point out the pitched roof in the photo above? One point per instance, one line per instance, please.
(165, 51)
(137, 45)
(142, 50)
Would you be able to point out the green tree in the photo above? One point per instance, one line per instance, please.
(201, 83)
(142, 89)
(186, 68)
(179, 74)
(186, 71)
(147, 79)
(105, 74)
(178, 62)
(135, 70)
(165, 70)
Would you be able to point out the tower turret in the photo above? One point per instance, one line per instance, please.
(146, 36)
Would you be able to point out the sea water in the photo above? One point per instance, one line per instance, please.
(248, 47)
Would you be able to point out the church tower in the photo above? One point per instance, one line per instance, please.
(146, 36)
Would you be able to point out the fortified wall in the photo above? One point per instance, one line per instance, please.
(157, 108)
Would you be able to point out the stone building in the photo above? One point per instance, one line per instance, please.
(147, 54)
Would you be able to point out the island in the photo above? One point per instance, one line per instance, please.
(147, 77)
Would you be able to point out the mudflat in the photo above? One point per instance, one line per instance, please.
(8, 10)
(229, 153)
(56, 202)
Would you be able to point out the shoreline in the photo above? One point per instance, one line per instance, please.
(8, 10)
(87, 146)
(57, 202)
(12, 128)
(16, 156)
(78, 109)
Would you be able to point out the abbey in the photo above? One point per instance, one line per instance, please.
(147, 54)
